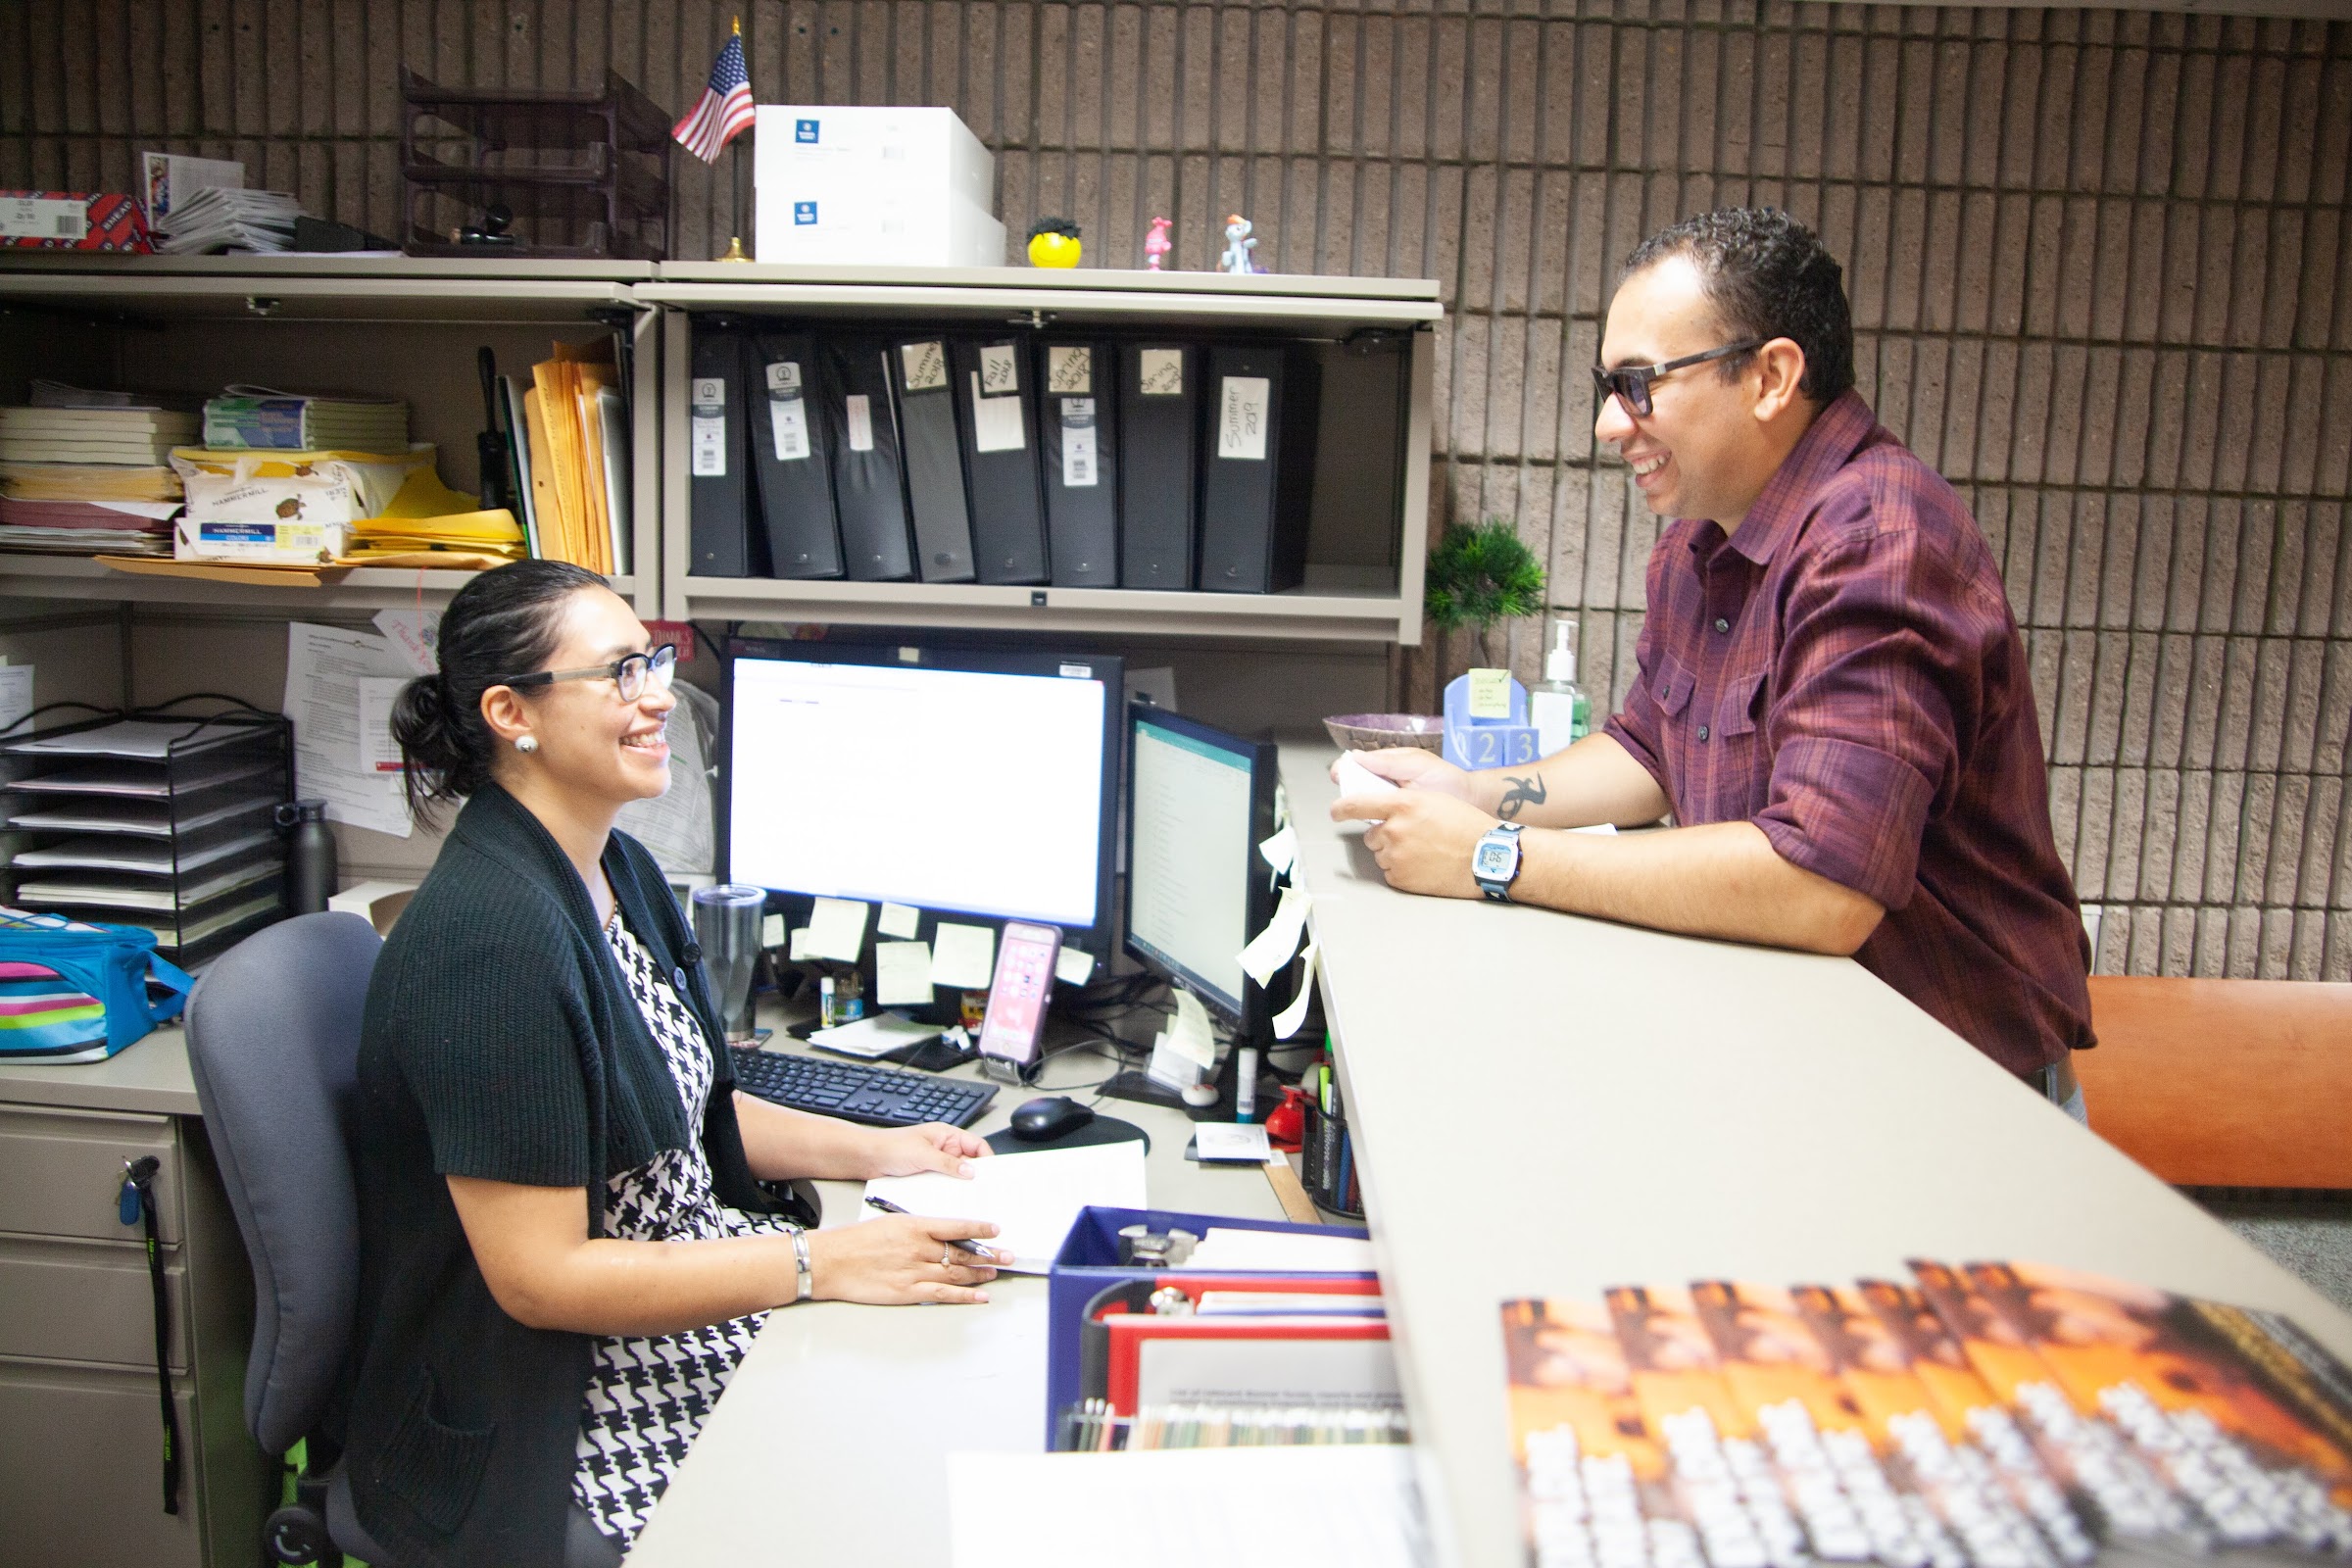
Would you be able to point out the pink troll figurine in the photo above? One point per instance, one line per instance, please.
(1156, 243)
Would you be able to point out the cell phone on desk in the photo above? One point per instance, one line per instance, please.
(1015, 1028)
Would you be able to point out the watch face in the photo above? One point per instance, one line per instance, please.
(1494, 861)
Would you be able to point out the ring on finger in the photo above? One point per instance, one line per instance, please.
(946, 1257)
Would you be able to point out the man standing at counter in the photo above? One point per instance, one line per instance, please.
(1833, 699)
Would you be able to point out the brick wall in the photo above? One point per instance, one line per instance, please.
(2097, 258)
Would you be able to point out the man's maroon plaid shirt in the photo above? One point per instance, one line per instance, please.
(1843, 672)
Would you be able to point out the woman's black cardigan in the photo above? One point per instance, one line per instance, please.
(501, 1041)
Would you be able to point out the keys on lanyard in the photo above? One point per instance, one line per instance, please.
(135, 1205)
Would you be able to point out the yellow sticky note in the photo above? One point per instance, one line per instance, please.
(899, 920)
(837, 929)
(1074, 967)
(801, 953)
(1490, 694)
(902, 974)
(772, 930)
(963, 956)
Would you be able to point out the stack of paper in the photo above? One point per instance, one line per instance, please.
(215, 218)
(79, 473)
(1033, 1199)
(246, 416)
(141, 437)
(572, 458)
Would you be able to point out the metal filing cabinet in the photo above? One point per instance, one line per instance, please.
(80, 1427)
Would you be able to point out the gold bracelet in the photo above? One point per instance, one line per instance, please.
(800, 1262)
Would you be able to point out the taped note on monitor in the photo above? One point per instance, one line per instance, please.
(1286, 1022)
(837, 929)
(900, 920)
(963, 956)
(1273, 948)
(903, 974)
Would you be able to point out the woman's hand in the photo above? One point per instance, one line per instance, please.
(898, 1259)
(933, 1145)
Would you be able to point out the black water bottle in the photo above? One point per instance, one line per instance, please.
(309, 856)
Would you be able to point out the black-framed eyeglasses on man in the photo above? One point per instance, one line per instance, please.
(1631, 382)
(629, 672)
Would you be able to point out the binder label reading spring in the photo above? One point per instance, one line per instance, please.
(1162, 373)
(1242, 417)
(999, 369)
(1070, 372)
(709, 427)
(860, 420)
(1078, 468)
(925, 365)
(787, 413)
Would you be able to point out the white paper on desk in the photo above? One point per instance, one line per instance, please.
(903, 974)
(963, 956)
(415, 635)
(379, 753)
(324, 666)
(680, 824)
(874, 1036)
(1227, 1247)
(1033, 1199)
(1225, 1139)
(16, 694)
(900, 920)
(1286, 1022)
(1274, 946)
(1345, 1506)
(837, 929)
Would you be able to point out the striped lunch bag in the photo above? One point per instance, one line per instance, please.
(71, 991)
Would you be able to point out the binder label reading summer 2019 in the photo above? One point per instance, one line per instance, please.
(709, 427)
(860, 412)
(787, 413)
(1160, 373)
(1242, 417)
(1078, 469)
(924, 365)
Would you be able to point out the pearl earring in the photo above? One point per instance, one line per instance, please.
(526, 744)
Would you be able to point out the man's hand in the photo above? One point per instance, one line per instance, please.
(1423, 842)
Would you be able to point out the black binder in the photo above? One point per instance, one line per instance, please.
(791, 460)
(1160, 396)
(719, 535)
(868, 493)
(995, 424)
(924, 384)
(1258, 455)
(1077, 453)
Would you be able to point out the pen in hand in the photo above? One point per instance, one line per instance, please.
(979, 1255)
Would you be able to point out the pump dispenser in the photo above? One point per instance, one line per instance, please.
(1556, 704)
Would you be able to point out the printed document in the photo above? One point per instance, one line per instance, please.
(1034, 1198)
(325, 668)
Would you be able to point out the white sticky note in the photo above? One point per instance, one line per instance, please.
(837, 930)
(859, 418)
(1286, 1022)
(1070, 372)
(925, 365)
(799, 952)
(1281, 849)
(771, 931)
(963, 956)
(1159, 372)
(999, 369)
(1079, 468)
(902, 974)
(1271, 949)
(1074, 967)
(788, 424)
(997, 424)
(1490, 694)
(1242, 417)
(1225, 1139)
(1188, 1034)
(899, 920)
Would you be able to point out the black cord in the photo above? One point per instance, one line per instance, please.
(51, 707)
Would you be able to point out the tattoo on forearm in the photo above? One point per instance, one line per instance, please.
(1523, 792)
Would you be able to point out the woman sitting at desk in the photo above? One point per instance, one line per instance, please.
(563, 1255)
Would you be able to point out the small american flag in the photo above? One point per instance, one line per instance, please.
(725, 110)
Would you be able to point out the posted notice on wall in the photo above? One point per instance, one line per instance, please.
(327, 669)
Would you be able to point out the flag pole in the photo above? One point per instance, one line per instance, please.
(735, 250)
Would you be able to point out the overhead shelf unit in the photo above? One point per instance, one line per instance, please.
(409, 327)
(1364, 560)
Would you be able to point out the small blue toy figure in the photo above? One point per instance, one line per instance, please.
(1240, 248)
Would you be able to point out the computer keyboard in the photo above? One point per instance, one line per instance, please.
(877, 1095)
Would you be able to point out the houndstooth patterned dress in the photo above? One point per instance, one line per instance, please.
(648, 1394)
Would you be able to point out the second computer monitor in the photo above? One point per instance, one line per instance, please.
(1200, 803)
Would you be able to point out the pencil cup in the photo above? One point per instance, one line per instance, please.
(1327, 1164)
(727, 926)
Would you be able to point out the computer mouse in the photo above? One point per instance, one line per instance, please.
(1038, 1122)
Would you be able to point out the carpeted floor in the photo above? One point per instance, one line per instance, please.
(2309, 1233)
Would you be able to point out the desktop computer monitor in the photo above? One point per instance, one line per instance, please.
(965, 782)
(1200, 803)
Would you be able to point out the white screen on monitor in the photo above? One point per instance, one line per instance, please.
(1188, 895)
(945, 789)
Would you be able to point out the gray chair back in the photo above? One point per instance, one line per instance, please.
(273, 1038)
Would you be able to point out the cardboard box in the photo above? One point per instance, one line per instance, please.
(908, 188)
(73, 220)
(286, 543)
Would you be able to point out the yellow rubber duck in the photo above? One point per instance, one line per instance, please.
(1053, 242)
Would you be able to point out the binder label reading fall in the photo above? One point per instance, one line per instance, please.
(1242, 417)
(999, 371)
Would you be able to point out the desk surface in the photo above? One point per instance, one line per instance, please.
(831, 1443)
(1547, 1105)
(149, 1075)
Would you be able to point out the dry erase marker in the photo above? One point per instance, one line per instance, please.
(966, 1247)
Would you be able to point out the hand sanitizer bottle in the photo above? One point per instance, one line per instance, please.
(1556, 704)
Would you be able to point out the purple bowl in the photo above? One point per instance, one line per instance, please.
(1369, 732)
